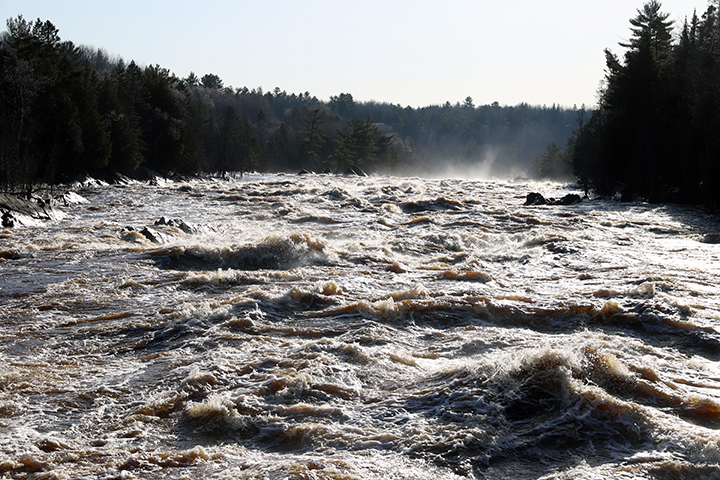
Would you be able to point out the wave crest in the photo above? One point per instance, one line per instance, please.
(272, 253)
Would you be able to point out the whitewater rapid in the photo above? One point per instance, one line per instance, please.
(328, 327)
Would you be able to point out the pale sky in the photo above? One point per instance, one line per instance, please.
(415, 53)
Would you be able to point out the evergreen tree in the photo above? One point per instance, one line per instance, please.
(125, 156)
(554, 164)
(313, 137)
(706, 107)
(209, 80)
(20, 87)
(636, 98)
(67, 108)
(362, 144)
(343, 104)
(192, 80)
(281, 149)
(631, 142)
(229, 137)
(162, 119)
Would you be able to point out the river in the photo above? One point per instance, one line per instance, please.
(329, 327)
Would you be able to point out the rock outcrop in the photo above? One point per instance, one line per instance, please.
(18, 211)
(534, 198)
(355, 170)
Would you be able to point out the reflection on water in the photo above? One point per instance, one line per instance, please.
(345, 327)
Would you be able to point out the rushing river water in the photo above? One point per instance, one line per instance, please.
(323, 327)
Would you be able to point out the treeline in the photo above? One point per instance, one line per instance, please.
(69, 109)
(61, 116)
(656, 131)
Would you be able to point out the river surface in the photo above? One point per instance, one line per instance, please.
(325, 327)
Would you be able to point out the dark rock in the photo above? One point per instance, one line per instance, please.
(534, 198)
(431, 205)
(157, 233)
(570, 199)
(155, 236)
(8, 220)
(712, 238)
(559, 248)
(85, 181)
(119, 179)
(144, 173)
(305, 172)
(69, 198)
(154, 178)
(13, 208)
(355, 170)
(624, 195)
(177, 223)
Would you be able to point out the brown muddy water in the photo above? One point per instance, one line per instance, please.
(323, 327)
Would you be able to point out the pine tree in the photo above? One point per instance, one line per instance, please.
(363, 145)
(552, 162)
(125, 156)
(313, 136)
(637, 124)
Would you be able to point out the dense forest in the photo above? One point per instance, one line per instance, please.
(71, 109)
(656, 131)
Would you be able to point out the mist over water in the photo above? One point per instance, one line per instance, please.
(492, 163)
(282, 326)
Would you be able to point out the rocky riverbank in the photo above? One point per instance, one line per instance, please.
(17, 211)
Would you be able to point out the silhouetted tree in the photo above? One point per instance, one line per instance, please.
(67, 109)
(20, 86)
(192, 80)
(123, 133)
(554, 163)
(362, 144)
(656, 130)
(633, 127)
(313, 137)
(343, 104)
(210, 80)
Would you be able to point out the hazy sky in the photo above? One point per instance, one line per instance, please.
(413, 53)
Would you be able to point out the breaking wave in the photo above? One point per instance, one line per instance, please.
(272, 253)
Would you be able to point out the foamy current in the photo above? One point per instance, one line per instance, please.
(324, 327)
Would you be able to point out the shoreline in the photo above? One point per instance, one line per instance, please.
(15, 211)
